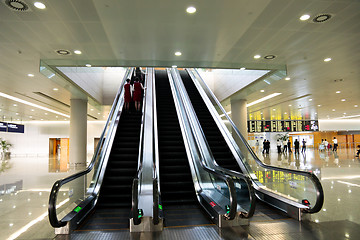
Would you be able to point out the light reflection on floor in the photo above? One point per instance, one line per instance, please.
(33, 178)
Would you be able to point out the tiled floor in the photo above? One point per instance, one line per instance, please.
(25, 184)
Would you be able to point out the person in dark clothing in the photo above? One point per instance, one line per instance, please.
(289, 146)
(297, 146)
(264, 146)
(267, 146)
(278, 145)
(303, 148)
(358, 151)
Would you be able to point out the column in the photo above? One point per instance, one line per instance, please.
(78, 133)
(239, 115)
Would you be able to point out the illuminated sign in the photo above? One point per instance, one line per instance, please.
(283, 126)
(11, 127)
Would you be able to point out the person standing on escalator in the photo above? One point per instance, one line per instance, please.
(137, 96)
(128, 89)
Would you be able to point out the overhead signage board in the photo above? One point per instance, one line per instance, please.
(12, 127)
(3, 127)
(283, 126)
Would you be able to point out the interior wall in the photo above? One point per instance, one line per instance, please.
(338, 125)
(35, 140)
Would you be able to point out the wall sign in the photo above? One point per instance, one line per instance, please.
(283, 126)
(12, 127)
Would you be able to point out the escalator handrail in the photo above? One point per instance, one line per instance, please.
(217, 168)
(227, 179)
(54, 221)
(319, 190)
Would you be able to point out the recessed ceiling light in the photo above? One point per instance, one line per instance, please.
(261, 113)
(338, 91)
(322, 18)
(285, 112)
(287, 78)
(310, 99)
(30, 75)
(56, 116)
(304, 17)
(269, 57)
(14, 105)
(343, 100)
(92, 109)
(30, 116)
(274, 109)
(39, 5)
(46, 113)
(32, 110)
(333, 110)
(98, 113)
(55, 89)
(327, 59)
(88, 65)
(290, 105)
(257, 56)
(242, 68)
(174, 66)
(191, 9)
(344, 113)
(41, 119)
(17, 113)
(178, 54)
(319, 105)
(315, 113)
(77, 52)
(262, 90)
(355, 105)
(63, 52)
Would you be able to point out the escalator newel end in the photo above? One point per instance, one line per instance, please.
(305, 202)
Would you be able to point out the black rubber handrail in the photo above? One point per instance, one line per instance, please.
(319, 190)
(57, 185)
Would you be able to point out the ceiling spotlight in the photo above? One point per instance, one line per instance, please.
(77, 52)
(290, 105)
(39, 5)
(30, 75)
(327, 59)
(262, 90)
(30, 116)
(17, 113)
(242, 68)
(92, 109)
(88, 65)
(32, 110)
(333, 110)
(343, 100)
(55, 89)
(16, 5)
(46, 113)
(310, 99)
(304, 17)
(338, 91)
(270, 57)
(257, 56)
(355, 105)
(178, 54)
(322, 18)
(174, 66)
(319, 105)
(14, 105)
(191, 9)
(63, 52)
(287, 78)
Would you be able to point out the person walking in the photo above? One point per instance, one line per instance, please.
(326, 143)
(267, 146)
(297, 146)
(257, 144)
(278, 144)
(335, 141)
(289, 146)
(284, 146)
(303, 148)
(264, 146)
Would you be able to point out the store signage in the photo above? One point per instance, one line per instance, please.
(12, 127)
(283, 126)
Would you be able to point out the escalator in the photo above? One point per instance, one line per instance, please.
(113, 207)
(231, 151)
(178, 197)
(216, 141)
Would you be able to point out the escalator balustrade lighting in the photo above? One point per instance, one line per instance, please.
(140, 213)
(305, 202)
(160, 206)
(227, 207)
(77, 209)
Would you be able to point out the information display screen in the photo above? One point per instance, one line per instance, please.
(12, 127)
(283, 126)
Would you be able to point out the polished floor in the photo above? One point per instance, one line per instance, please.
(25, 183)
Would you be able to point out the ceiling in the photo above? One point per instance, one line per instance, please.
(221, 34)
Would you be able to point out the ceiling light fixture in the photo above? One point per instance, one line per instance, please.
(77, 52)
(290, 105)
(55, 89)
(310, 99)
(343, 100)
(262, 90)
(39, 5)
(287, 78)
(191, 9)
(263, 99)
(322, 18)
(257, 56)
(31, 104)
(242, 68)
(16, 5)
(88, 65)
(304, 17)
(319, 105)
(269, 57)
(174, 66)
(30, 75)
(338, 91)
(178, 53)
(63, 52)
(355, 105)
(327, 59)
